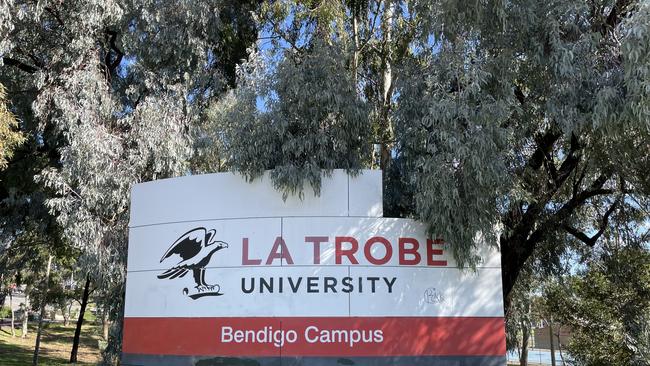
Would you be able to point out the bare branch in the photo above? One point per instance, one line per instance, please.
(591, 241)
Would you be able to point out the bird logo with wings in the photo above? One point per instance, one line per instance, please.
(195, 249)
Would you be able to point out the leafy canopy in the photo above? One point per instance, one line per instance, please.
(607, 307)
(521, 123)
(109, 93)
(10, 136)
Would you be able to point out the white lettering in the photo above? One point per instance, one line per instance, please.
(226, 334)
(312, 334)
(379, 336)
(239, 336)
(346, 336)
(307, 337)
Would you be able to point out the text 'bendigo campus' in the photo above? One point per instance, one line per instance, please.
(311, 334)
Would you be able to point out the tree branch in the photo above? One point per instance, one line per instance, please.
(19, 64)
(577, 180)
(520, 95)
(371, 29)
(591, 241)
(595, 189)
(278, 31)
(615, 15)
(111, 65)
(570, 162)
(545, 143)
(55, 14)
(541, 155)
(544, 228)
(39, 64)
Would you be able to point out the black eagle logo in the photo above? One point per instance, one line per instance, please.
(195, 248)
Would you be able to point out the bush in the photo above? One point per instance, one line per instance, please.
(5, 312)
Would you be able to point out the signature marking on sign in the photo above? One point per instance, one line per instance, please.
(433, 296)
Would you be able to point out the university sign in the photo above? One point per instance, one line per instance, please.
(223, 272)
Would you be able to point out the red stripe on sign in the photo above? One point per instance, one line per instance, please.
(341, 336)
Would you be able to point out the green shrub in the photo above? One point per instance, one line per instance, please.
(5, 312)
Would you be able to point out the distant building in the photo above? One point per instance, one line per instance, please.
(541, 337)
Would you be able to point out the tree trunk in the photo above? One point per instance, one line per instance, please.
(26, 313)
(514, 253)
(559, 344)
(386, 128)
(525, 337)
(13, 316)
(550, 334)
(3, 296)
(387, 72)
(82, 311)
(37, 346)
(355, 55)
(105, 323)
(66, 315)
(2, 299)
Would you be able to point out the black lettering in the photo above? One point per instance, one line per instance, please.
(268, 285)
(243, 285)
(312, 284)
(390, 284)
(296, 286)
(347, 282)
(372, 283)
(329, 283)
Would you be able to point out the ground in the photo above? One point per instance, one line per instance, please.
(56, 343)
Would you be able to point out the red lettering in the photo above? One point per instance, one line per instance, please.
(367, 250)
(413, 251)
(339, 252)
(316, 240)
(279, 251)
(431, 252)
(245, 261)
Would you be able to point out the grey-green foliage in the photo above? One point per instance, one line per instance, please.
(9, 137)
(312, 119)
(455, 146)
(607, 307)
(525, 121)
(503, 76)
(112, 92)
(635, 47)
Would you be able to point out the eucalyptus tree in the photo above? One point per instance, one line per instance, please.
(523, 124)
(522, 316)
(108, 94)
(607, 305)
(24, 263)
(10, 136)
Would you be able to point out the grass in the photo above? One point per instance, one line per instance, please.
(56, 343)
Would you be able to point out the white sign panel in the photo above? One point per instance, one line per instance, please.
(222, 269)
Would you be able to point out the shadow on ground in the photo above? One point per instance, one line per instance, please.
(56, 343)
